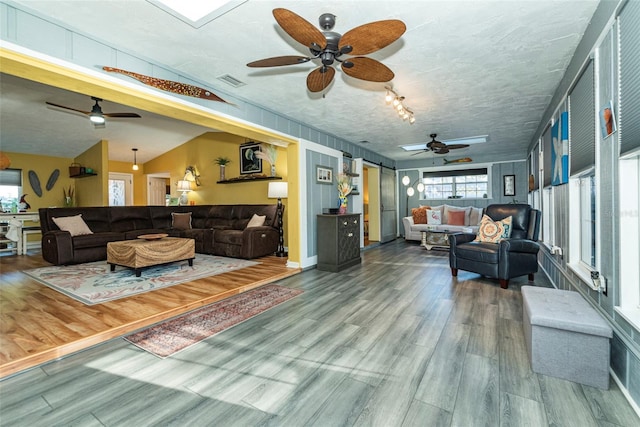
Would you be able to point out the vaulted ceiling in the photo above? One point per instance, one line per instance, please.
(464, 67)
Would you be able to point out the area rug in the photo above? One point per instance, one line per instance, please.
(168, 338)
(94, 283)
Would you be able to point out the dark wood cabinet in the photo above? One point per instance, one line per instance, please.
(338, 241)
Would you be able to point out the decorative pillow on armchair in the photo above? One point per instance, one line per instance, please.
(434, 217)
(494, 231)
(419, 215)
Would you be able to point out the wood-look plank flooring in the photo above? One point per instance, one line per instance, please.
(395, 341)
(39, 324)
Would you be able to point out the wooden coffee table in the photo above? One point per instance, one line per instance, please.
(140, 253)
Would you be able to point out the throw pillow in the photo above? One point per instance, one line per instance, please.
(73, 224)
(448, 209)
(181, 221)
(475, 216)
(419, 215)
(456, 218)
(494, 231)
(434, 217)
(256, 221)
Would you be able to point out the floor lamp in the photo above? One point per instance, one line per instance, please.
(410, 191)
(279, 190)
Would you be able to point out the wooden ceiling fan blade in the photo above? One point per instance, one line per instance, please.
(368, 69)
(456, 146)
(278, 61)
(67, 108)
(317, 80)
(120, 115)
(374, 36)
(443, 150)
(299, 28)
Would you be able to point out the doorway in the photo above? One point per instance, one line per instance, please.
(120, 189)
(371, 204)
(158, 189)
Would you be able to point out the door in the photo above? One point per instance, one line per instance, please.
(120, 189)
(157, 191)
(387, 205)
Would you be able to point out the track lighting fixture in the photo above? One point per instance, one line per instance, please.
(397, 102)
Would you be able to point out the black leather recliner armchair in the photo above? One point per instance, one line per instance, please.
(510, 258)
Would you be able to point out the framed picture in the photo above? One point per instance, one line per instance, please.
(249, 162)
(607, 120)
(509, 185)
(324, 175)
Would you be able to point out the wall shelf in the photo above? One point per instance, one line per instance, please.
(239, 180)
(83, 175)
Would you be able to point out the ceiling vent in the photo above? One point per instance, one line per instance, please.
(230, 80)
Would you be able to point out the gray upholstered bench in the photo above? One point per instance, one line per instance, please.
(566, 337)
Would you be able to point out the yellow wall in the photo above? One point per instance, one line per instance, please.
(43, 166)
(58, 75)
(94, 190)
(139, 180)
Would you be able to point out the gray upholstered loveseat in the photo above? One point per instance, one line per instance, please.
(217, 230)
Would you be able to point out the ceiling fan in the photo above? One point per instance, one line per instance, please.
(96, 115)
(328, 46)
(440, 147)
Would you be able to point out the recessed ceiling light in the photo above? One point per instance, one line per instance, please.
(197, 13)
(230, 80)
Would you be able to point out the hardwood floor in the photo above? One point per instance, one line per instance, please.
(395, 341)
(39, 324)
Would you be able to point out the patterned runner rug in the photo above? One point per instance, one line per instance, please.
(92, 283)
(168, 338)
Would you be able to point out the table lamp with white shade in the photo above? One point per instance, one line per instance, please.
(279, 190)
(185, 187)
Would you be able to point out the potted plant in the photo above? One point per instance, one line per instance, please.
(222, 162)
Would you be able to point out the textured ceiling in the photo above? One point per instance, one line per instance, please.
(466, 68)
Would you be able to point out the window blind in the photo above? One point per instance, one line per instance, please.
(11, 177)
(629, 21)
(582, 128)
(461, 172)
(546, 160)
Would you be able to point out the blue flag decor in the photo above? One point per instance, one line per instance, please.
(560, 150)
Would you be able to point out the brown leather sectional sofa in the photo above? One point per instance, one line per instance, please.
(217, 230)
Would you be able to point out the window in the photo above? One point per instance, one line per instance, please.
(458, 184)
(10, 189)
(547, 216)
(629, 303)
(588, 220)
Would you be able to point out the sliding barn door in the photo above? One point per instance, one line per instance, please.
(388, 204)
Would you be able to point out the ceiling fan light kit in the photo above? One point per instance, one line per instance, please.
(96, 116)
(328, 47)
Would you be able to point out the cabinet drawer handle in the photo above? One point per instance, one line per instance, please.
(355, 221)
(350, 235)
(345, 223)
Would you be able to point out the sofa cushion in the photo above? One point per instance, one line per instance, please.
(230, 237)
(456, 218)
(181, 221)
(75, 225)
(475, 216)
(97, 239)
(491, 231)
(419, 215)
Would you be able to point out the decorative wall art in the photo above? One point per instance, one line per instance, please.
(249, 162)
(607, 120)
(560, 150)
(509, 184)
(324, 175)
